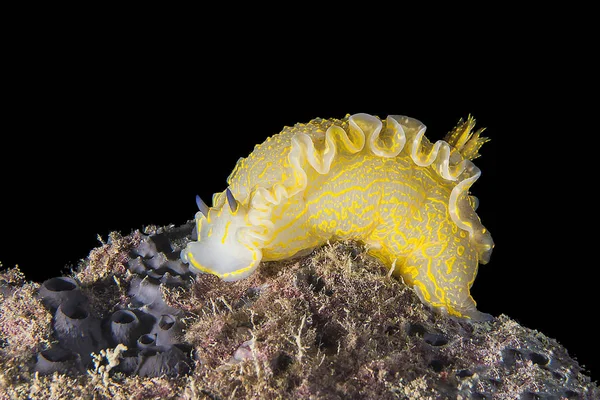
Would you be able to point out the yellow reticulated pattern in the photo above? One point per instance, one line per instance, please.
(381, 182)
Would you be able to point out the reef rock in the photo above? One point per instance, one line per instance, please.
(133, 323)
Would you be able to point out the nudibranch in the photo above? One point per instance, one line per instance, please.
(380, 182)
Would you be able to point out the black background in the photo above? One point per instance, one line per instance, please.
(103, 137)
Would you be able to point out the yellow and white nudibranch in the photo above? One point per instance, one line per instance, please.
(380, 182)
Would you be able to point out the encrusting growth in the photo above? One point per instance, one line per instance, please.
(381, 182)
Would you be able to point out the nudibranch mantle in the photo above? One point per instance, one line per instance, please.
(381, 182)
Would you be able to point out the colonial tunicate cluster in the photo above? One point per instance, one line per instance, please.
(149, 328)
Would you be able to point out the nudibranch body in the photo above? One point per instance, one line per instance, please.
(381, 182)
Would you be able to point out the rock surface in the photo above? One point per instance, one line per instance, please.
(331, 325)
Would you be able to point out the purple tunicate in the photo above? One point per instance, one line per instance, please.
(58, 360)
(177, 266)
(129, 361)
(157, 362)
(54, 291)
(146, 341)
(166, 330)
(156, 262)
(137, 265)
(146, 249)
(145, 292)
(78, 330)
(124, 327)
